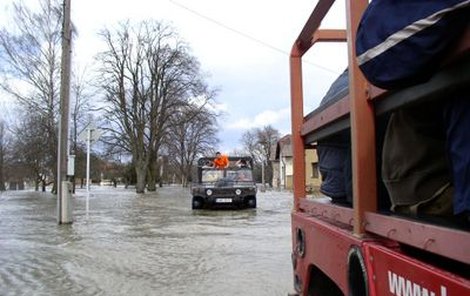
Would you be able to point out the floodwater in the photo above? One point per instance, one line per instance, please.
(151, 244)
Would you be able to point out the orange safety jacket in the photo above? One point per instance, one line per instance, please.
(221, 162)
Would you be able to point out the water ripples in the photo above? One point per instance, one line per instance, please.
(151, 244)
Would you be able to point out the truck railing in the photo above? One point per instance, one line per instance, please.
(359, 108)
(361, 111)
(335, 117)
(425, 236)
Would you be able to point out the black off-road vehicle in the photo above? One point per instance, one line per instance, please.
(224, 188)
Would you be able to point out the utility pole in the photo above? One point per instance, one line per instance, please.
(88, 145)
(63, 201)
(263, 186)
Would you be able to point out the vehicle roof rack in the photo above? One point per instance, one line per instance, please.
(203, 160)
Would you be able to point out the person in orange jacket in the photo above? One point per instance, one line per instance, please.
(220, 161)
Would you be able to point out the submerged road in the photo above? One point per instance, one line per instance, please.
(151, 244)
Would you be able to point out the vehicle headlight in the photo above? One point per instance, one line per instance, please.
(209, 192)
(238, 191)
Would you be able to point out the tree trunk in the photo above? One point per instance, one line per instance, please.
(270, 174)
(187, 174)
(2, 181)
(151, 183)
(141, 172)
(151, 180)
(73, 183)
(54, 187)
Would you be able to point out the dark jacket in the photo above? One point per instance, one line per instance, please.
(334, 153)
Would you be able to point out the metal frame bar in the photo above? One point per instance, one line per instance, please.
(304, 41)
(447, 242)
(425, 236)
(362, 97)
(362, 126)
(332, 113)
(317, 123)
(309, 36)
(331, 212)
(328, 130)
(385, 101)
(363, 143)
(297, 111)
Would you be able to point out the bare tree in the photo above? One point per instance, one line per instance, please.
(192, 133)
(3, 154)
(147, 72)
(79, 119)
(29, 152)
(30, 58)
(258, 142)
(251, 145)
(267, 138)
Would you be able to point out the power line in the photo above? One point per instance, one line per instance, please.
(229, 28)
(256, 40)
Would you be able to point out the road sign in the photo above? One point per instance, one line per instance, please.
(95, 134)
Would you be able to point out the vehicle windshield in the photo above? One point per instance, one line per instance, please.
(211, 175)
(239, 175)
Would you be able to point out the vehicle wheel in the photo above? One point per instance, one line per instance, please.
(357, 273)
(196, 203)
(251, 203)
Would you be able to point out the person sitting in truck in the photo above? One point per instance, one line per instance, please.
(241, 163)
(415, 168)
(220, 161)
(457, 122)
(242, 176)
(208, 164)
(426, 159)
(426, 153)
(334, 152)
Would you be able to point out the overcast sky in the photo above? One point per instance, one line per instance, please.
(243, 45)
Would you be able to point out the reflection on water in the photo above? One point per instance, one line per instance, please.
(151, 244)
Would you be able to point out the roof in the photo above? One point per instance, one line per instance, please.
(284, 147)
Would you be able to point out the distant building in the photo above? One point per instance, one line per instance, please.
(283, 166)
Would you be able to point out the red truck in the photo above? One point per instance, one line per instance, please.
(360, 250)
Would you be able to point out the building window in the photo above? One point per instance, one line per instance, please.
(315, 170)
